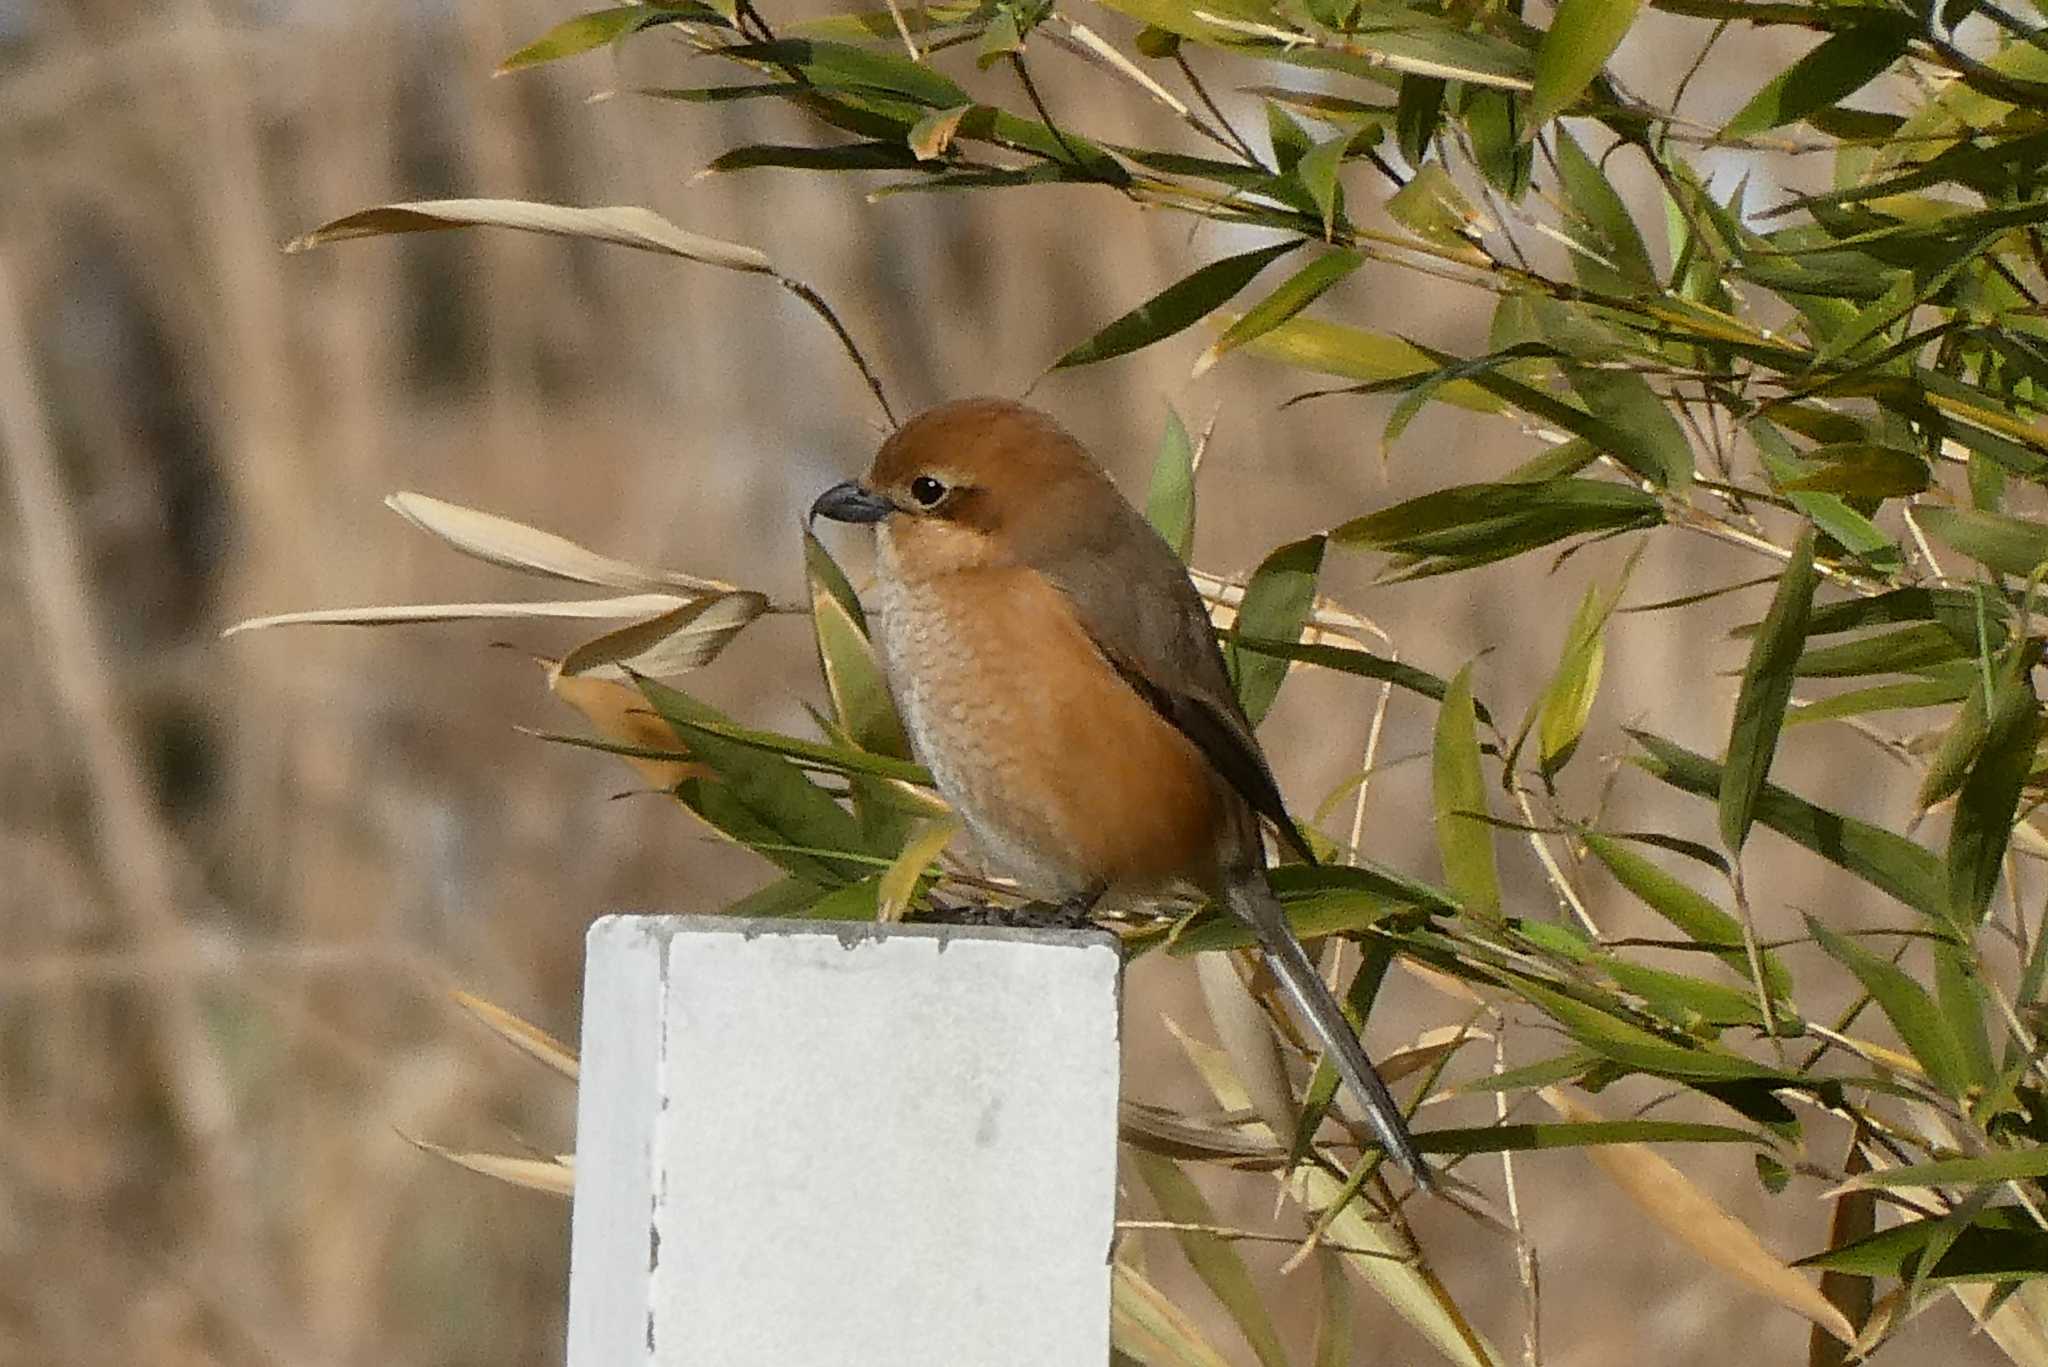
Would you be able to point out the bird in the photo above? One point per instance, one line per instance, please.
(1057, 673)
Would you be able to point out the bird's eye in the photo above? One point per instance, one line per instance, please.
(927, 491)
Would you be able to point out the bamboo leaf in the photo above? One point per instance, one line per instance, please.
(1458, 793)
(1907, 1005)
(1214, 1259)
(1989, 798)
(1690, 1216)
(1170, 499)
(1766, 690)
(2009, 545)
(1276, 606)
(584, 33)
(1177, 307)
(1891, 862)
(2009, 1165)
(1690, 911)
(1839, 67)
(1582, 36)
(898, 886)
(621, 225)
(1293, 294)
(1152, 1329)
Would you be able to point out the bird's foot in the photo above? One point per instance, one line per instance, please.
(1075, 913)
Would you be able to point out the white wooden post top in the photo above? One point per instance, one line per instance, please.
(803, 1144)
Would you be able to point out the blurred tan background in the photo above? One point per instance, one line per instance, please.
(237, 878)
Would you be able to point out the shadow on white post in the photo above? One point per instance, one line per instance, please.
(806, 1145)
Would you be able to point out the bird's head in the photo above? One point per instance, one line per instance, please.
(973, 483)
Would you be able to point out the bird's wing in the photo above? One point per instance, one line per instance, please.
(1153, 629)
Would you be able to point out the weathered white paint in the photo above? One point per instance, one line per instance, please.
(806, 1145)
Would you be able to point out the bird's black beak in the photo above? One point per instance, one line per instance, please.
(849, 502)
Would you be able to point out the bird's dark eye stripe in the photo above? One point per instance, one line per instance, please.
(927, 490)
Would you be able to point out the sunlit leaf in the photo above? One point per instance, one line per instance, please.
(1582, 36)
(1290, 297)
(1275, 607)
(1458, 794)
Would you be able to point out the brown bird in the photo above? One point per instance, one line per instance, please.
(1056, 671)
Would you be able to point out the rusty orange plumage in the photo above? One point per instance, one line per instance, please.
(1056, 671)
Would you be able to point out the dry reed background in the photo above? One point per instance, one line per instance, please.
(239, 877)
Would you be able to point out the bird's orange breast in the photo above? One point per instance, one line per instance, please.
(1068, 779)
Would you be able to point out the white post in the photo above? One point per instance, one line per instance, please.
(812, 1145)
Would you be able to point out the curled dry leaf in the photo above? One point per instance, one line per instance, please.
(517, 546)
(1672, 1200)
(398, 614)
(679, 640)
(619, 712)
(623, 225)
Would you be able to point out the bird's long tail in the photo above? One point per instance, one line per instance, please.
(1253, 902)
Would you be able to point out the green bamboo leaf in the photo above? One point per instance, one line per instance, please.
(1214, 1258)
(1415, 46)
(1766, 690)
(1906, 1005)
(1317, 172)
(844, 66)
(1333, 1325)
(1863, 469)
(1567, 700)
(1601, 216)
(1989, 797)
(1849, 529)
(1881, 698)
(1292, 295)
(851, 156)
(1687, 1002)
(1576, 1135)
(1836, 69)
(1458, 793)
(1276, 606)
(585, 33)
(1692, 912)
(2009, 545)
(853, 672)
(1432, 207)
(1177, 307)
(1890, 862)
(761, 798)
(1643, 434)
(1493, 521)
(1911, 649)
(1170, 499)
(999, 40)
(1582, 36)
(1630, 1044)
(1353, 660)
(2001, 1243)
(1959, 993)
(1320, 900)
(2008, 1166)
(1356, 354)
